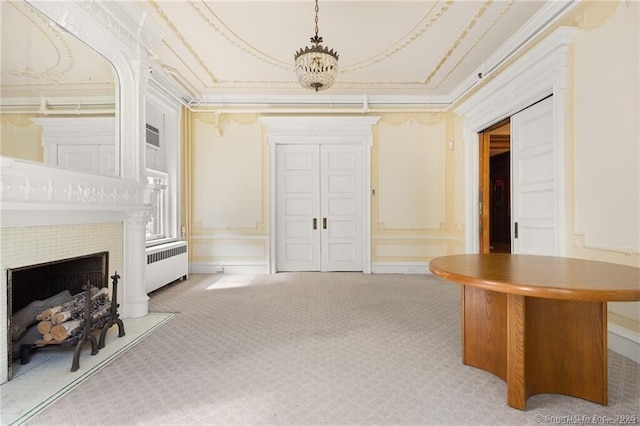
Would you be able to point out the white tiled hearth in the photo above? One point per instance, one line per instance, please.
(49, 376)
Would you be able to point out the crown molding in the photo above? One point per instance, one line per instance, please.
(320, 103)
(547, 16)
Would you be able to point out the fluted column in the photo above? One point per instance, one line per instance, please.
(136, 301)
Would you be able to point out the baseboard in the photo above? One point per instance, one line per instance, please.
(624, 341)
(400, 268)
(229, 268)
(263, 268)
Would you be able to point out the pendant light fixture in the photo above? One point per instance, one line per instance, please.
(316, 66)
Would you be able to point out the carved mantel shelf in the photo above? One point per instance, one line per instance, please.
(38, 194)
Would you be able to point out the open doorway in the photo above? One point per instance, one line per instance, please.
(495, 188)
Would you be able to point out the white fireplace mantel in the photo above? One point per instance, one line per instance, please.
(36, 194)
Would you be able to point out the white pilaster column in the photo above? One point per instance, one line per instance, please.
(136, 301)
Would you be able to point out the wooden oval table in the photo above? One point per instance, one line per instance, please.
(538, 322)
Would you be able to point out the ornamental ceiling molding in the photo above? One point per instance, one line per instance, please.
(405, 41)
(61, 47)
(458, 40)
(234, 39)
(178, 74)
(163, 16)
(461, 37)
(92, 25)
(477, 41)
(120, 27)
(241, 44)
(183, 52)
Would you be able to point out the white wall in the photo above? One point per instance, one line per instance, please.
(229, 211)
(605, 81)
(416, 210)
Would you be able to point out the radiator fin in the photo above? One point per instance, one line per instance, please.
(165, 254)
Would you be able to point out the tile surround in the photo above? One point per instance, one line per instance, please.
(22, 246)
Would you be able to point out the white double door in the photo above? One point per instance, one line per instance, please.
(319, 207)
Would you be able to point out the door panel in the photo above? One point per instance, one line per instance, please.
(80, 157)
(297, 202)
(534, 179)
(341, 205)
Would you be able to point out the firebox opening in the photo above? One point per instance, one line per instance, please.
(41, 281)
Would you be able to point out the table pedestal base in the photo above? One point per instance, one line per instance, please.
(537, 345)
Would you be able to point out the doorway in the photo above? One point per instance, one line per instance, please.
(495, 188)
(540, 72)
(519, 183)
(319, 204)
(324, 131)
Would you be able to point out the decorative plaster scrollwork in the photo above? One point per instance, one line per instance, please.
(458, 40)
(429, 118)
(406, 41)
(87, 192)
(4, 188)
(595, 14)
(138, 218)
(72, 20)
(41, 185)
(60, 47)
(27, 188)
(182, 39)
(49, 190)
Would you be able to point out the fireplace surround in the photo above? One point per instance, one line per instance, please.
(32, 245)
(48, 214)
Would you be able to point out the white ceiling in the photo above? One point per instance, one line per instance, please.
(41, 60)
(429, 52)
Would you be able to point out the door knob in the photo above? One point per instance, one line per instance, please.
(315, 223)
(324, 223)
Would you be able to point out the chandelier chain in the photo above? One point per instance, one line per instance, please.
(317, 9)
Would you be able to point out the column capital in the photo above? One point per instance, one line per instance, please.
(138, 217)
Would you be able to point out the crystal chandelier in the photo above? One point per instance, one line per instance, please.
(316, 66)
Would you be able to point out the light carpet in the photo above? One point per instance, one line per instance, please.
(313, 349)
(48, 375)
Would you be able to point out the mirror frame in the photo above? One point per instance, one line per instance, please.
(98, 29)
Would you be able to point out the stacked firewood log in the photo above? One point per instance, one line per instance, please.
(65, 323)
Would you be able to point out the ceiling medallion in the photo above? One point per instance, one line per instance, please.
(316, 66)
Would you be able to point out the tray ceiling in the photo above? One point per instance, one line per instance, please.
(217, 51)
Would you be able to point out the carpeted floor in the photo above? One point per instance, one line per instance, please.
(309, 349)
